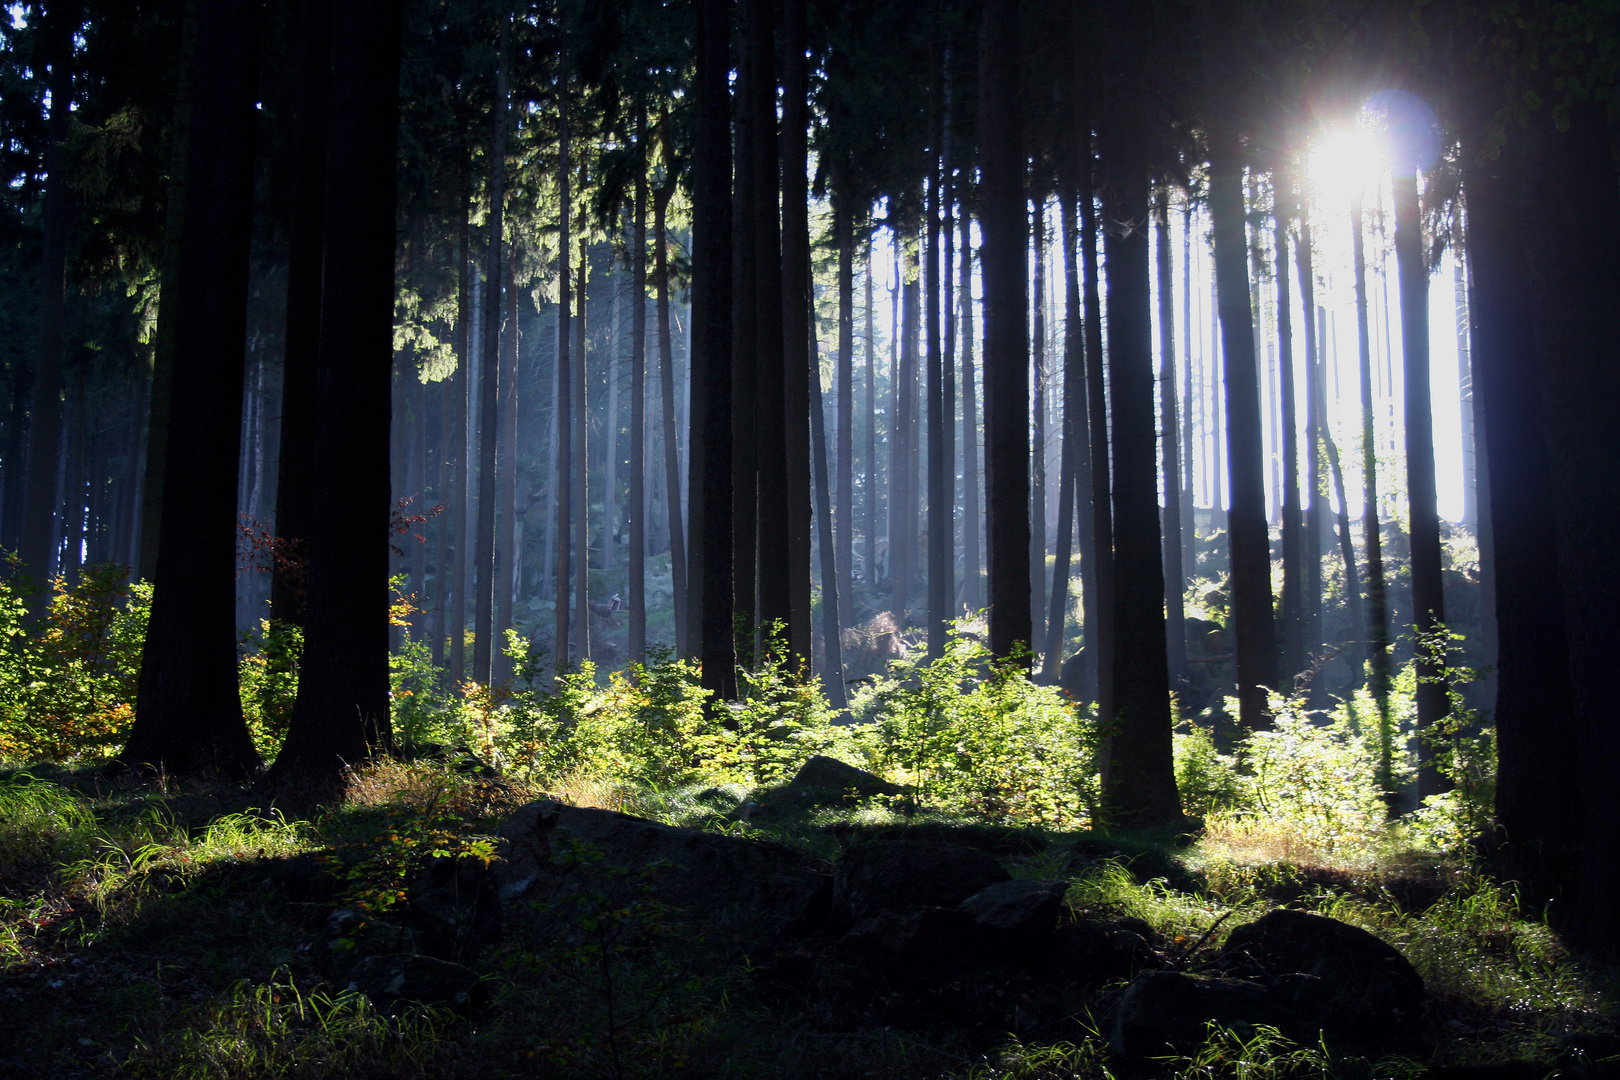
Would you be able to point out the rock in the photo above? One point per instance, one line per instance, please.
(454, 904)
(904, 875)
(1169, 1011)
(822, 781)
(1329, 976)
(394, 980)
(1091, 952)
(928, 945)
(1017, 917)
(566, 848)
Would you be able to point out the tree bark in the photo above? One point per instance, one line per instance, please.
(1139, 786)
(637, 584)
(1428, 592)
(940, 593)
(1377, 613)
(1040, 409)
(484, 630)
(666, 389)
(972, 518)
(844, 377)
(1098, 667)
(1006, 361)
(1293, 547)
(1076, 448)
(506, 546)
(189, 711)
(1175, 618)
(341, 715)
(745, 343)
(460, 435)
(1255, 631)
(581, 462)
(564, 407)
(710, 585)
(797, 352)
(295, 472)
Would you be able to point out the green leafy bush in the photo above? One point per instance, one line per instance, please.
(67, 686)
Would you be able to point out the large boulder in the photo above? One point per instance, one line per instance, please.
(1327, 975)
(552, 850)
(1170, 1011)
(926, 945)
(821, 781)
(905, 875)
(1090, 952)
(393, 981)
(1017, 918)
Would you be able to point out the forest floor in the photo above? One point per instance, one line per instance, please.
(165, 933)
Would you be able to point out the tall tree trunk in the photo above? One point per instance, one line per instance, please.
(1428, 593)
(610, 433)
(1347, 545)
(833, 678)
(506, 547)
(1293, 548)
(710, 584)
(972, 578)
(637, 584)
(1572, 236)
(1255, 630)
(1006, 355)
(903, 494)
(745, 343)
(563, 409)
(797, 353)
(1189, 402)
(844, 380)
(341, 715)
(581, 462)
(1037, 465)
(1534, 710)
(940, 593)
(1076, 448)
(295, 472)
(1097, 677)
(45, 427)
(942, 289)
(484, 631)
(1311, 579)
(871, 433)
(1139, 784)
(666, 390)
(1175, 618)
(189, 712)
(461, 435)
(1377, 614)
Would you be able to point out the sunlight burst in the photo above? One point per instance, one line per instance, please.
(1347, 161)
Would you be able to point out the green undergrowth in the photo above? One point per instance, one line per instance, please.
(160, 933)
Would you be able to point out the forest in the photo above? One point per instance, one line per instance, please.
(958, 538)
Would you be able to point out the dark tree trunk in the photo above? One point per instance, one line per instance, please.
(1139, 786)
(666, 389)
(1293, 548)
(1098, 667)
(1039, 412)
(295, 472)
(637, 585)
(1076, 448)
(506, 543)
(1428, 592)
(1255, 630)
(903, 496)
(341, 716)
(710, 584)
(460, 426)
(1572, 239)
(45, 427)
(564, 406)
(484, 631)
(189, 712)
(1175, 619)
(844, 377)
(972, 578)
(940, 593)
(942, 288)
(581, 461)
(1006, 349)
(1538, 810)
(1377, 615)
(1311, 579)
(833, 678)
(745, 344)
(796, 338)
(871, 434)
(1347, 545)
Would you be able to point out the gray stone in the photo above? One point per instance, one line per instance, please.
(821, 781)
(918, 946)
(904, 875)
(1328, 975)
(1170, 1011)
(398, 979)
(1018, 917)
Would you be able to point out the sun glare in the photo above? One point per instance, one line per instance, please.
(1347, 161)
